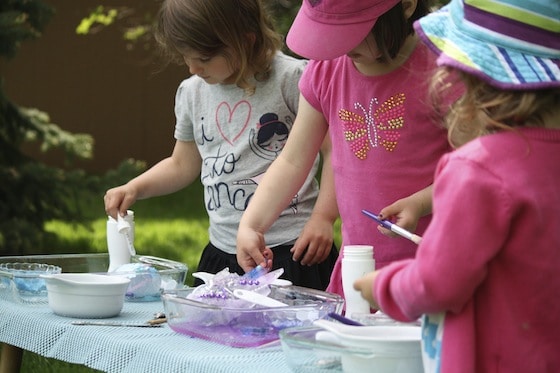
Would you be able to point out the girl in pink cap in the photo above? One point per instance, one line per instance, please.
(367, 87)
(485, 275)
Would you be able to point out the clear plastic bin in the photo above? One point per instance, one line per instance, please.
(172, 273)
(248, 327)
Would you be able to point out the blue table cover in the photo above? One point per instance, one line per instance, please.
(33, 327)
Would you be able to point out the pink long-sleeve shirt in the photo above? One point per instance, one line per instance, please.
(489, 262)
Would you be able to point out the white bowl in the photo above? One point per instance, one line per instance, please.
(86, 295)
(394, 349)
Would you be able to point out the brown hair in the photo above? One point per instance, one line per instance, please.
(484, 109)
(392, 28)
(240, 30)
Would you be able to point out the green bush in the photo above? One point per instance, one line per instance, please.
(31, 193)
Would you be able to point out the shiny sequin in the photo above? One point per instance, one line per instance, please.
(369, 129)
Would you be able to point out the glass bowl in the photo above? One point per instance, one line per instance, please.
(149, 276)
(314, 349)
(305, 354)
(379, 318)
(170, 274)
(25, 279)
(248, 327)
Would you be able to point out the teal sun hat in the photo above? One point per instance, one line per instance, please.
(510, 44)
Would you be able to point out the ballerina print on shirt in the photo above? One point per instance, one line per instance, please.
(267, 141)
(271, 136)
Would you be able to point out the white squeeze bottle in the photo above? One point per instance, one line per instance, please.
(117, 244)
(357, 260)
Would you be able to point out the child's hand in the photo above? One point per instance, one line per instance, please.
(315, 241)
(118, 200)
(251, 250)
(407, 211)
(365, 286)
(400, 214)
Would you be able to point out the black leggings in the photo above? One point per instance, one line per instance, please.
(317, 276)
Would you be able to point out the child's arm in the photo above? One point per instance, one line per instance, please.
(407, 211)
(315, 241)
(168, 176)
(280, 183)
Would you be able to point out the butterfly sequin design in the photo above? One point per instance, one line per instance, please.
(369, 129)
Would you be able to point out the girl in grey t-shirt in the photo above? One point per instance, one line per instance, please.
(233, 116)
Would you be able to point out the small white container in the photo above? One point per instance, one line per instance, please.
(86, 295)
(357, 261)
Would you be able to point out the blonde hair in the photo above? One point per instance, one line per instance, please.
(240, 30)
(484, 109)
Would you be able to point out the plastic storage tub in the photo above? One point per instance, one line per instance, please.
(248, 327)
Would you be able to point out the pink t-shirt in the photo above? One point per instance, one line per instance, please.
(490, 259)
(386, 142)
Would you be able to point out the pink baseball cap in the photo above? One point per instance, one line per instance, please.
(326, 29)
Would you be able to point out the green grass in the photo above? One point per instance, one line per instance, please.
(173, 227)
(33, 363)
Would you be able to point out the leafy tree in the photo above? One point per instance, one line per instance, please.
(137, 22)
(32, 193)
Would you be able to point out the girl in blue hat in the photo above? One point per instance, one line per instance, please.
(485, 275)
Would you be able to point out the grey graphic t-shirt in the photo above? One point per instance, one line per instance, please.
(238, 136)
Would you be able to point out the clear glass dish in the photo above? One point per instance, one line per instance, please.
(150, 275)
(248, 327)
(314, 349)
(305, 354)
(24, 279)
(170, 274)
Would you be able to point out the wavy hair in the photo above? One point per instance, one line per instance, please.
(484, 109)
(240, 30)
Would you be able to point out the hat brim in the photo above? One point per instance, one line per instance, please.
(500, 67)
(318, 41)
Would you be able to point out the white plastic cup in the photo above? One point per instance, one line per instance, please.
(119, 252)
(357, 261)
